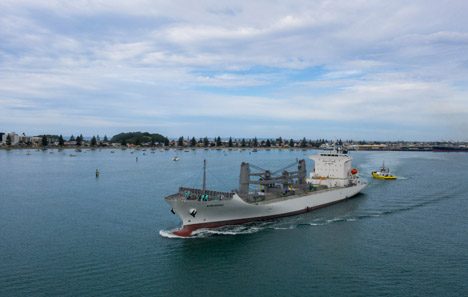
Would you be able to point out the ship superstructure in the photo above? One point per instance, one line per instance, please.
(277, 194)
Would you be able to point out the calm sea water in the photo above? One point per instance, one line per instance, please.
(64, 232)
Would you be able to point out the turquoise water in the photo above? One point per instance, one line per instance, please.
(64, 232)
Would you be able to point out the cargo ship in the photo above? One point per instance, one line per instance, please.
(277, 194)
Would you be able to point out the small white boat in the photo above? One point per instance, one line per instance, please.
(175, 158)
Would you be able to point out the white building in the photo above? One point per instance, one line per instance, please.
(24, 139)
(36, 140)
(13, 136)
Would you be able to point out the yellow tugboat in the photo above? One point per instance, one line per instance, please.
(383, 173)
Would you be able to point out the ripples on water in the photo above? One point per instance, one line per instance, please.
(64, 232)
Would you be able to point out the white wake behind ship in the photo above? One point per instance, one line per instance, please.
(278, 194)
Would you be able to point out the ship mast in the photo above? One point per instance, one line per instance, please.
(204, 176)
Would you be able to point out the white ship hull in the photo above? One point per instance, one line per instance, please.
(233, 211)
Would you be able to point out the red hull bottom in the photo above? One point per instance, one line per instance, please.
(188, 229)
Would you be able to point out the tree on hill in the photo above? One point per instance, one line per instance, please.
(61, 141)
(268, 143)
(93, 141)
(255, 142)
(193, 142)
(180, 142)
(230, 142)
(279, 140)
(105, 138)
(206, 142)
(166, 141)
(79, 140)
(303, 143)
(44, 140)
(72, 138)
(131, 137)
(152, 141)
(291, 143)
(243, 142)
(123, 142)
(8, 140)
(218, 141)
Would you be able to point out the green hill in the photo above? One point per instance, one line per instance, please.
(137, 137)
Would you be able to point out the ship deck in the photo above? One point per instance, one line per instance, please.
(258, 198)
(274, 197)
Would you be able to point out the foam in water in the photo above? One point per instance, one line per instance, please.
(225, 230)
(285, 228)
(228, 230)
(169, 234)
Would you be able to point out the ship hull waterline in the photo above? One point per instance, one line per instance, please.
(237, 212)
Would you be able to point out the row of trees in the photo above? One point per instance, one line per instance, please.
(138, 141)
(95, 140)
(217, 142)
(145, 138)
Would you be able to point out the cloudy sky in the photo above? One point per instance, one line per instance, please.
(382, 70)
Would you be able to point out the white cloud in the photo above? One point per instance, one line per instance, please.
(292, 61)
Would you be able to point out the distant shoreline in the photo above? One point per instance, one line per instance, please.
(425, 149)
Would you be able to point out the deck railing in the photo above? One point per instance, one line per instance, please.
(199, 194)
